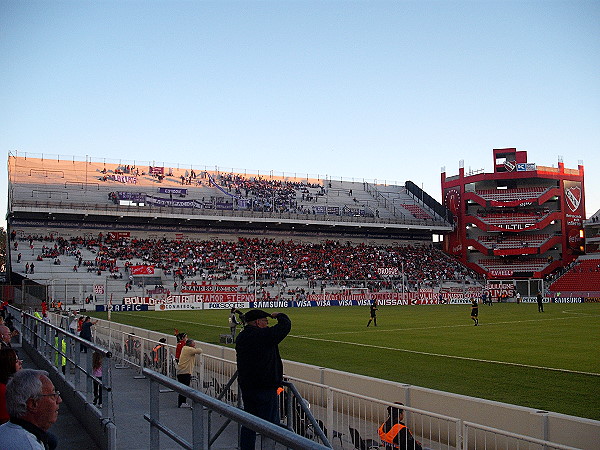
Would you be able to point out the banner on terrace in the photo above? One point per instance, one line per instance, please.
(179, 191)
(141, 270)
(208, 288)
(190, 298)
(120, 308)
(227, 300)
(177, 306)
(125, 179)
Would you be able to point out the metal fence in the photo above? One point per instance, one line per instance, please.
(69, 358)
(482, 437)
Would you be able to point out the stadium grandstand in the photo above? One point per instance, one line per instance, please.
(93, 230)
(99, 235)
(133, 228)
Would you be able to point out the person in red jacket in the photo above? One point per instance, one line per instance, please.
(9, 365)
(181, 340)
(394, 434)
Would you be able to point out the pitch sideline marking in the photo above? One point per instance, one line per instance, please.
(452, 326)
(464, 358)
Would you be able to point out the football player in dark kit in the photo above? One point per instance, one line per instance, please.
(260, 370)
(373, 312)
(475, 311)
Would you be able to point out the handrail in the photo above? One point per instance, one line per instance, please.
(52, 347)
(199, 401)
(306, 412)
(206, 214)
(544, 443)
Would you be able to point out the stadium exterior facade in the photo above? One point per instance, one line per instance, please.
(521, 221)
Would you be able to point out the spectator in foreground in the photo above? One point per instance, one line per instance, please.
(260, 370)
(33, 405)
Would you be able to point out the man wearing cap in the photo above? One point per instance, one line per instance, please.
(260, 370)
(394, 433)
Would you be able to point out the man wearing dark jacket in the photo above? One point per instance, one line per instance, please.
(260, 370)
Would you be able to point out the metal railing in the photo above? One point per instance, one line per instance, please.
(200, 401)
(344, 416)
(69, 358)
(480, 436)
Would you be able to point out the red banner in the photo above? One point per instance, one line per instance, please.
(141, 270)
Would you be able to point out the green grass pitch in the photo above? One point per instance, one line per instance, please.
(549, 361)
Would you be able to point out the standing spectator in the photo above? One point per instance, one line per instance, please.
(73, 324)
(260, 369)
(475, 311)
(159, 356)
(540, 302)
(181, 340)
(60, 360)
(396, 435)
(373, 313)
(86, 331)
(97, 358)
(185, 368)
(9, 365)
(33, 405)
(233, 323)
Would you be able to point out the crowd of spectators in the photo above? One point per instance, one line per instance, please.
(273, 261)
(269, 194)
(265, 195)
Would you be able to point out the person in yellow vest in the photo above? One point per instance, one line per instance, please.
(394, 434)
(58, 357)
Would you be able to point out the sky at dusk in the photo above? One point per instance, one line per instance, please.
(376, 90)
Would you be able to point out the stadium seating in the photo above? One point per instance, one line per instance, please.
(511, 194)
(582, 277)
(282, 266)
(529, 240)
(528, 265)
(101, 187)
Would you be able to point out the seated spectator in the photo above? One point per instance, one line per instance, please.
(394, 434)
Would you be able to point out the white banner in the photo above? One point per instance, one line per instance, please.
(177, 306)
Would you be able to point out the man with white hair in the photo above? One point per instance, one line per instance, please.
(32, 404)
(5, 337)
